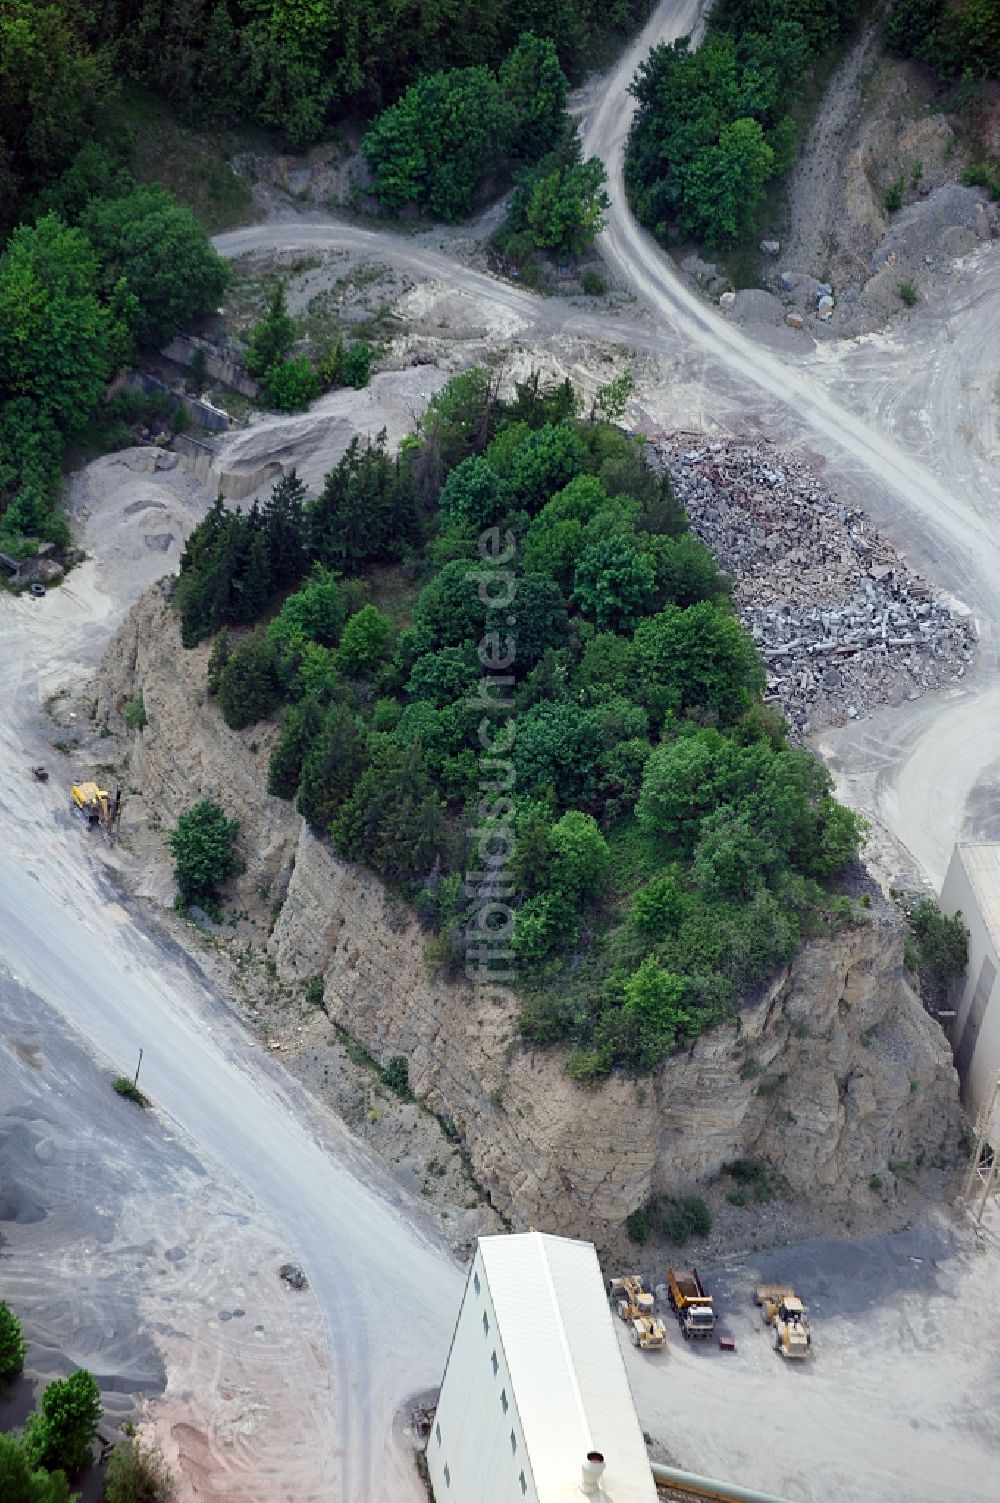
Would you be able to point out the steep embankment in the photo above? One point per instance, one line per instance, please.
(835, 1074)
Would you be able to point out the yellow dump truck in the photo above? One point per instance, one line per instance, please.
(691, 1303)
(634, 1304)
(782, 1309)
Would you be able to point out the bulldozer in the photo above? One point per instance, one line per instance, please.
(634, 1304)
(96, 806)
(782, 1309)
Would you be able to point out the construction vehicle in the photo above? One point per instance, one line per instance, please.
(634, 1304)
(782, 1309)
(96, 806)
(691, 1303)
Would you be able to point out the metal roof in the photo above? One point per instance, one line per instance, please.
(565, 1365)
(982, 867)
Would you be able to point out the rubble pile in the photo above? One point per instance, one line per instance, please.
(841, 623)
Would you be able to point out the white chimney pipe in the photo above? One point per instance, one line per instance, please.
(591, 1473)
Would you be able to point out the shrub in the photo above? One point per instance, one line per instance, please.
(613, 584)
(471, 496)
(250, 686)
(983, 175)
(753, 1177)
(942, 943)
(12, 1344)
(674, 1217)
(594, 284)
(126, 1087)
(637, 1226)
(364, 642)
(217, 660)
(682, 1218)
(580, 854)
(60, 1433)
(385, 716)
(137, 1473)
(894, 197)
(134, 714)
(358, 365)
(589, 1066)
(204, 849)
(292, 384)
(313, 613)
(396, 1076)
(271, 339)
(315, 991)
(21, 1483)
(907, 293)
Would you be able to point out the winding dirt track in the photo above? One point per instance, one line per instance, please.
(908, 423)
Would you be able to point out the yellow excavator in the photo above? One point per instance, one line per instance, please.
(96, 806)
(634, 1304)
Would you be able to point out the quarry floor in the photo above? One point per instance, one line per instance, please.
(897, 1401)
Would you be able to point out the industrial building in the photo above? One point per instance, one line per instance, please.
(972, 888)
(535, 1402)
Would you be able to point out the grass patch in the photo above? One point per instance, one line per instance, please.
(126, 1087)
(193, 165)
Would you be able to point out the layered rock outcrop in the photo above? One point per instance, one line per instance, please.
(834, 1074)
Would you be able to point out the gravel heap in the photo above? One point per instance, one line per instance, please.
(841, 623)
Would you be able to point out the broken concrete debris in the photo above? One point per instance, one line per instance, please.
(841, 623)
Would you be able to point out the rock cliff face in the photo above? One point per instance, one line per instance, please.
(833, 1075)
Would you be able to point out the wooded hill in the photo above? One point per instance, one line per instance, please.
(670, 847)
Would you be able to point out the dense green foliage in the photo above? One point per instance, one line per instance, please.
(669, 846)
(279, 63)
(12, 1344)
(108, 268)
(956, 40)
(60, 1432)
(942, 943)
(452, 132)
(203, 843)
(557, 205)
(22, 1482)
(433, 146)
(153, 252)
(713, 123)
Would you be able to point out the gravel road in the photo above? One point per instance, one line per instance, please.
(68, 939)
